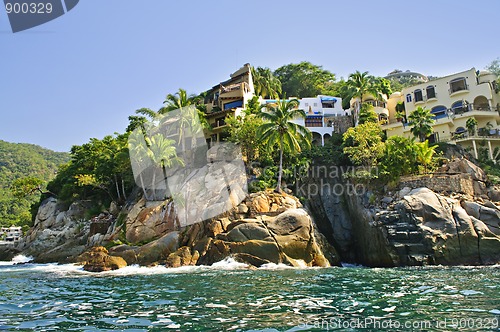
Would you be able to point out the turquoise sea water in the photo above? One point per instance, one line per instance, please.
(230, 297)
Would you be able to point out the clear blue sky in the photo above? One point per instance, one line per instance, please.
(83, 74)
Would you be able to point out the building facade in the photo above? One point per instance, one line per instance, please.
(227, 98)
(322, 116)
(452, 100)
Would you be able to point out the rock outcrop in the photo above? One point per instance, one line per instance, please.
(265, 228)
(423, 223)
(97, 259)
(57, 235)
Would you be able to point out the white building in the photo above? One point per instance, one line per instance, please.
(321, 112)
(11, 234)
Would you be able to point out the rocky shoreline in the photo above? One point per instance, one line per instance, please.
(421, 223)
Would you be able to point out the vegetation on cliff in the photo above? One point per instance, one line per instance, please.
(22, 164)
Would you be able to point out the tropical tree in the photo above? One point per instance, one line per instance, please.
(363, 144)
(161, 151)
(278, 129)
(243, 131)
(360, 84)
(494, 67)
(471, 126)
(304, 79)
(425, 154)
(399, 157)
(265, 83)
(367, 114)
(421, 121)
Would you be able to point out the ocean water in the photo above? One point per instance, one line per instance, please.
(231, 297)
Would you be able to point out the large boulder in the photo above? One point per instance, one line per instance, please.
(150, 253)
(451, 235)
(147, 221)
(97, 259)
(288, 238)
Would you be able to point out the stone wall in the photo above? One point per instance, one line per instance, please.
(341, 123)
(441, 183)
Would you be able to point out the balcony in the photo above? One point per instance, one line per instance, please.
(458, 86)
(234, 90)
(218, 123)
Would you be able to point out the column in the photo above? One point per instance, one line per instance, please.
(475, 148)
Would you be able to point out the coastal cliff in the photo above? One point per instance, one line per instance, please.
(451, 218)
(265, 228)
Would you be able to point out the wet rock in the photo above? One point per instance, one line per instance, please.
(97, 259)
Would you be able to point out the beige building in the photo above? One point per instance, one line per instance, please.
(452, 100)
(228, 97)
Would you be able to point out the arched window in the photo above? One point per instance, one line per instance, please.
(460, 106)
(408, 98)
(418, 95)
(439, 112)
(431, 93)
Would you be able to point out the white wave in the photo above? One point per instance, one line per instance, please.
(18, 259)
(274, 266)
(228, 264)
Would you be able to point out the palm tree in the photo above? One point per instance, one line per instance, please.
(161, 151)
(265, 83)
(277, 129)
(471, 126)
(361, 84)
(425, 153)
(421, 121)
(138, 151)
(178, 100)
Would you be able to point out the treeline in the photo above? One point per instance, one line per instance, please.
(19, 161)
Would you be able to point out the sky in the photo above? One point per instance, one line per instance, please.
(82, 74)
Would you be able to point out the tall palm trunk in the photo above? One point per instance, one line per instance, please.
(280, 171)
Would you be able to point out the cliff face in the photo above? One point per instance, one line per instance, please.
(265, 228)
(449, 219)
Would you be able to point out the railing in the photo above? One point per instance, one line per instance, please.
(219, 123)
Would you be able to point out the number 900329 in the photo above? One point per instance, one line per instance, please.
(28, 8)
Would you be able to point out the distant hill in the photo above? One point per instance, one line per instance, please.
(18, 160)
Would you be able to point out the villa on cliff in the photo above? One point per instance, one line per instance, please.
(452, 100)
(324, 114)
(227, 98)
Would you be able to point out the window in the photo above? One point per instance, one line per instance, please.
(460, 106)
(418, 95)
(307, 104)
(439, 112)
(408, 98)
(458, 84)
(431, 93)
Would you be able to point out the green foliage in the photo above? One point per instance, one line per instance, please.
(99, 171)
(400, 158)
(367, 114)
(29, 185)
(331, 153)
(471, 125)
(243, 131)
(421, 121)
(304, 79)
(22, 165)
(425, 154)
(278, 129)
(265, 83)
(363, 144)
